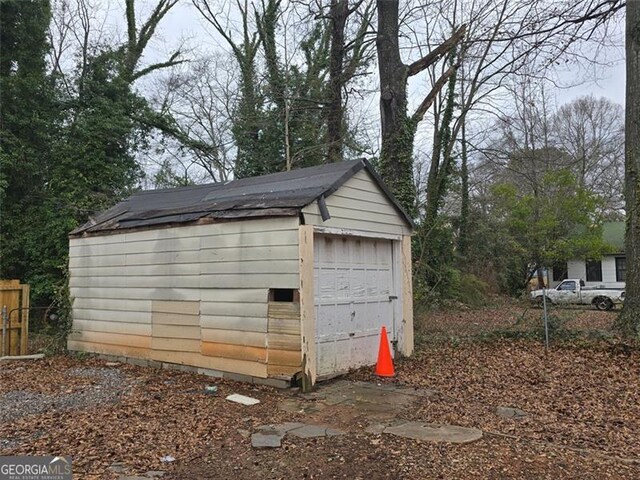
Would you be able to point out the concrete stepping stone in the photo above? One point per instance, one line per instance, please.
(511, 412)
(242, 399)
(309, 431)
(280, 428)
(435, 433)
(376, 428)
(270, 436)
(267, 439)
(315, 431)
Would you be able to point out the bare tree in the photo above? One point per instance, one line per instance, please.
(200, 104)
(590, 132)
(77, 28)
(138, 37)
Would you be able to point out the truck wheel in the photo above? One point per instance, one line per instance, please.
(540, 302)
(603, 304)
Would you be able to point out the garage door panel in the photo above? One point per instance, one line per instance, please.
(325, 245)
(363, 321)
(342, 318)
(324, 322)
(360, 351)
(341, 251)
(353, 282)
(357, 279)
(385, 282)
(376, 313)
(327, 283)
(356, 252)
(327, 358)
(343, 282)
(343, 354)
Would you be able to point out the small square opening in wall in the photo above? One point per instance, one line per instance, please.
(284, 295)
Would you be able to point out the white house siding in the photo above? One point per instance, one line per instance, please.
(194, 294)
(578, 269)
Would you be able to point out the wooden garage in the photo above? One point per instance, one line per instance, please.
(273, 277)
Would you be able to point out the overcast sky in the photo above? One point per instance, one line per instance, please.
(184, 25)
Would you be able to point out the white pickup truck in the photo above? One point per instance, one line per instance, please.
(573, 291)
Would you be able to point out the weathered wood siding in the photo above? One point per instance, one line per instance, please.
(196, 295)
(283, 339)
(359, 205)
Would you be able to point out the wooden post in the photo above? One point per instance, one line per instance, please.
(307, 308)
(406, 348)
(16, 298)
(24, 332)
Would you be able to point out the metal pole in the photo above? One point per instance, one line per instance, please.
(546, 320)
(4, 328)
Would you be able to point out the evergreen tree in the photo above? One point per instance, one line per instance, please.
(29, 121)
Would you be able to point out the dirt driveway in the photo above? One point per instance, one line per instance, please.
(578, 416)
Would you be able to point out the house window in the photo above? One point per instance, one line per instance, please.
(560, 272)
(621, 269)
(594, 271)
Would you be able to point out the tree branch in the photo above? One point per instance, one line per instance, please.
(157, 66)
(131, 23)
(435, 55)
(205, 10)
(429, 99)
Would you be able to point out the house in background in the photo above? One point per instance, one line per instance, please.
(610, 270)
(261, 279)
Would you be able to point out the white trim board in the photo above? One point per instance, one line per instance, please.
(355, 233)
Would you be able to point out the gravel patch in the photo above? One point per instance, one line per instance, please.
(109, 385)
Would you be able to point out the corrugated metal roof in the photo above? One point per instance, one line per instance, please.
(278, 194)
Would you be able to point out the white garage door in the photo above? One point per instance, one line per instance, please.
(353, 280)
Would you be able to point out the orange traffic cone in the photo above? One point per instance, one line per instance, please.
(384, 367)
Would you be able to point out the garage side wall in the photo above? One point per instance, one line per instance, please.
(195, 295)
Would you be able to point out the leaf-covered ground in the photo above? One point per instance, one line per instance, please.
(506, 316)
(583, 420)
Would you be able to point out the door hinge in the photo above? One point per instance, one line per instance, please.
(393, 297)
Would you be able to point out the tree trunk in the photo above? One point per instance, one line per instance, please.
(399, 128)
(339, 12)
(629, 320)
(463, 233)
(396, 157)
(441, 159)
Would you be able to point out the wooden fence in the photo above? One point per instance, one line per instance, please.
(15, 297)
